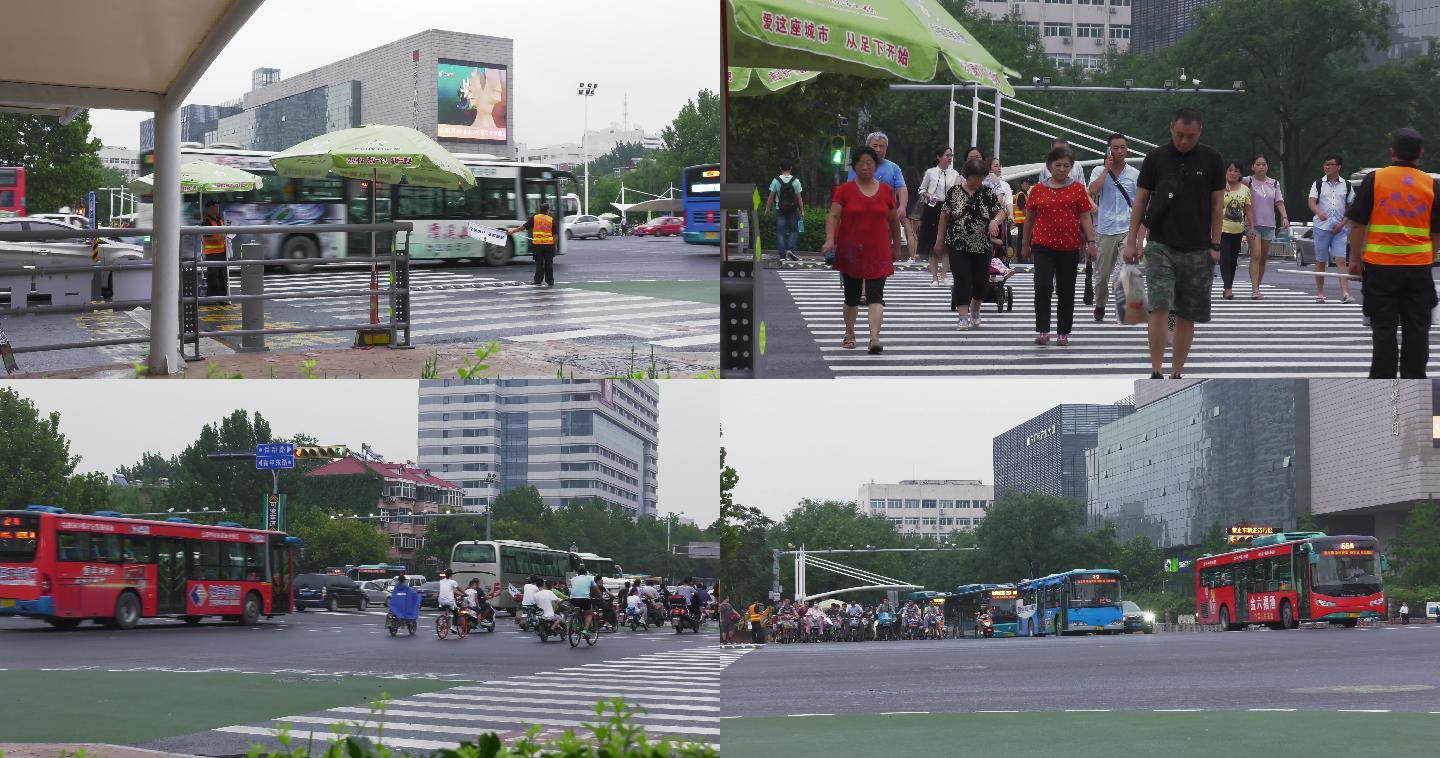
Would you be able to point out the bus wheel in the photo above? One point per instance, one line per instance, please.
(127, 611)
(250, 612)
(192, 620)
(497, 255)
(63, 623)
(1287, 615)
(1349, 624)
(298, 249)
(1225, 624)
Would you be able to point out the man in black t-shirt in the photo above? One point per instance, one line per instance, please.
(1178, 198)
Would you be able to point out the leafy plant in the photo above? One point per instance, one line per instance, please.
(308, 368)
(477, 369)
(431, 369)
(213, 371)
(140, 370)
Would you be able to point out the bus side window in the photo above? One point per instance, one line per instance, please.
(105, 548)
(207, 559)
(72, 546)
(253, 556)
(419, 202)
(1283, 575)
(138, 549)
(231, 561)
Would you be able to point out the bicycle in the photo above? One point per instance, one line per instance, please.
(443, 625)
(576, 629)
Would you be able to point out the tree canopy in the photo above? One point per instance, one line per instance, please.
(62, 161)
(38, 466)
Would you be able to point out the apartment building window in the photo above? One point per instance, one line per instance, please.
(1120, 3)
(1096, 31)
(896, 503)
(1120, 31)
(927, 522)
(928, 504)
(947, 504)
(1059, 59)
(1090, 62)
(1033, 26)
(947, 522)
(1053, 29)
(1089, 2)
(1057, 2)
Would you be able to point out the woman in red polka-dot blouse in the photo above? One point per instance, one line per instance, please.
(1057, 214)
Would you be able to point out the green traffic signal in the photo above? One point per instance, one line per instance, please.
(837, 157)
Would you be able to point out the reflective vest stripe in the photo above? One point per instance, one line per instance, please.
(1404, 196)
(214, 243)
(1388, 229)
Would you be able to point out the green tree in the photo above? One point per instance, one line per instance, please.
(1142, 562)
(151, 468)
(744, 549)
(38, 468)
(1417, 547)
(441, 534)
(693, 137)
(62, 161)
(1213, 543)
(1031, 534)
(339, 542)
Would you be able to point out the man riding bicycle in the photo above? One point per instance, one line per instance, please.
(580, 587)
(448, 595)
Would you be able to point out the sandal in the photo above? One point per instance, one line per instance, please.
(876, 348)
(1346, 299)
(848, 343)
(1320, 299)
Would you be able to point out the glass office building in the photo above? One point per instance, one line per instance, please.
(1047, 453)
(1217, 452)
(571, 440)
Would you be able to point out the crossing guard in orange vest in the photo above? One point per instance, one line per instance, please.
(217, 279)
(542, 244)
(1400, 231)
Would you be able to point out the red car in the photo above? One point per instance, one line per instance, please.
(671, 226)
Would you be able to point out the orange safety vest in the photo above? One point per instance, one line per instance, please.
(1399, 230)
(1019, 210)
(544, 231)
(214, 243)
(757, 614)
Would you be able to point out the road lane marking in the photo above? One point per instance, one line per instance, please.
(1179, 710)
(1270, 710)
(1087, 710)
(799, 715)
(449, 729)
(905, 713)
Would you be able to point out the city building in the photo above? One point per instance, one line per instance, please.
(929, 507)
(1074, 32)
(453, 87)
(569, 155)
(1047, 453)
(196, 121)
(1214, 452)
(1415, 26)
(571, 440)
(408, 490)
(121, 159)
(1159, 24)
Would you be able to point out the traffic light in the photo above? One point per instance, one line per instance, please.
(837, 150)
(321, 451)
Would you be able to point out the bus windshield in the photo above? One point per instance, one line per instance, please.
(19, 538)
(1347, 569)
(1094, 591)
(1002, 609)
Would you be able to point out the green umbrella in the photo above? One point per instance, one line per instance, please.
(203, 177)
(379, 153)
(763, 81)
(876, 38)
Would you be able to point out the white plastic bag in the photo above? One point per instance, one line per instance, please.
(1130, 302)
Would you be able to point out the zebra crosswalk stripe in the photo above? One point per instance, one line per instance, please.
(556, 700)
(1286, 333)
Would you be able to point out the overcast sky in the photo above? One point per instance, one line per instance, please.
(790, 440)
(109, 424)
(661, 52)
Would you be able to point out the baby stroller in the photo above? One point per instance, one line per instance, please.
(999, 292)
(404, 610)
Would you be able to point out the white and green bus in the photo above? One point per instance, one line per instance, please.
(506, 192)
(509, 563)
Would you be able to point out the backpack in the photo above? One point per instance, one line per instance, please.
(789, 203)
(1349, 191)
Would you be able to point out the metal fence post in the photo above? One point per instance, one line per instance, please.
(252, 312)
(400, 293)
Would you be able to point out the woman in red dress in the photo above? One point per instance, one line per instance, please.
(1057, 214)
(863, 231)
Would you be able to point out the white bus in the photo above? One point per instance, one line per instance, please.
(511, 562)
(505, 193)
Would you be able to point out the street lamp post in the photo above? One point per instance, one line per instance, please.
(490, 504)
(586, 90)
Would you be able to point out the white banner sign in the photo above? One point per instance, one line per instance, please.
(488, 234)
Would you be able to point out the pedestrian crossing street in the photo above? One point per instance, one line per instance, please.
(1284, 334)
(679, 691)
(449, 305)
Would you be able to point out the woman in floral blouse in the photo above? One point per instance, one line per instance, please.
(970, 217)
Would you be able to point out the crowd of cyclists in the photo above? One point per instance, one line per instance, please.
(814, 621)
(586, 598)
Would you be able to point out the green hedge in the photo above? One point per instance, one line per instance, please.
(810, 240)
(1416, 597)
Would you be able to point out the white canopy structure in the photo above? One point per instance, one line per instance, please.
(142, 55)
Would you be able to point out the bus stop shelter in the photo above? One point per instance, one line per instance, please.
(62, 57)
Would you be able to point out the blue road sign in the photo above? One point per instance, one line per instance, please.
(269, 463)
(275, 450)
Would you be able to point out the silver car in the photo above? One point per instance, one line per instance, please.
(63, 251)
(586, 226)
(377, 591)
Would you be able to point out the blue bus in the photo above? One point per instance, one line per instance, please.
(1075, 601)
(700, 204)
(966, 601)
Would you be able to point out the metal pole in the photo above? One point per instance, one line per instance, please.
(950, 108)
(996, 154)
(165, 276)
(252, 312)
(585, 152)
(975, 115)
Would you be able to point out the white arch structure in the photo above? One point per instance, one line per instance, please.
(803, 559)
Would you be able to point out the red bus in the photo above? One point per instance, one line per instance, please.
(1283, 579)
(65, 568)
(12, 191)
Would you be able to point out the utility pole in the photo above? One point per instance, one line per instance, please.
(490, 506)
(587, 90)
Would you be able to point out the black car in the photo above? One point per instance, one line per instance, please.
(1137, 620)
(329, 591)
(429, 594)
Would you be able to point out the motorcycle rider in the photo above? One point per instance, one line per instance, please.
(635, 605)
(527, 598)
(932, 618)
(911, 614)
(402, 590)
(545, 602)
(479, 602)
(884, 616)
(700, 600)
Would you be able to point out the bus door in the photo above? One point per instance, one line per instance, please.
(281, 575)
(1241, 611)
(170, 575)
(1300, 569)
